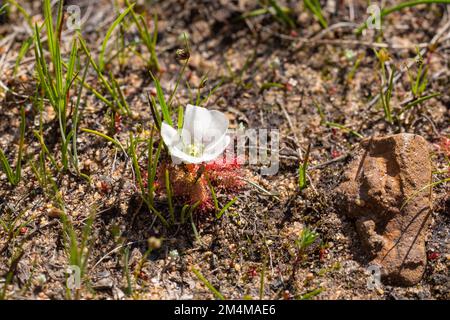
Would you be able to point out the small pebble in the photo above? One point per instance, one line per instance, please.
(55, 212)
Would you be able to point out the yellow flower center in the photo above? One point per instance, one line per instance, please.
(195, 150)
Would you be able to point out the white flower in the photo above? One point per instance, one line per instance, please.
(203, 137)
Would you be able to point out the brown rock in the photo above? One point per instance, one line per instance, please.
(380, 190)
(54, 212)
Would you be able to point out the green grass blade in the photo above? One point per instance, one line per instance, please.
(316, 10)
(281, 14)
(21, 144)
(302, 170)
(169, 196)
(180, 117)
(104, 136)
(101, 57)
(22, 52)
(208, 284)
(226, 207)
(415, 194)
(418, 101)
(343, 128)
(162, 101)
(399, 7)
(213, 194)
(6, 167)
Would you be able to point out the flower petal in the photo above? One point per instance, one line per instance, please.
(213, 152)
(169, 135)
(217, 130)
(196, 122)
(209, 155)
(201, 126)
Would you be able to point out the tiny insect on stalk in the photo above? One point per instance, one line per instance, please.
(208, 284)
